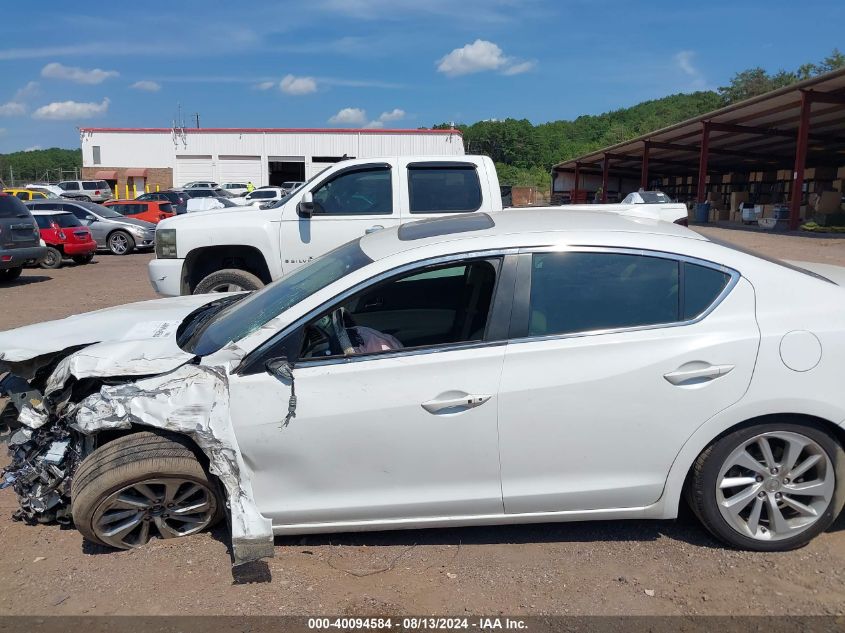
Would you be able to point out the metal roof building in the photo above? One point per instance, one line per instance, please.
(135, 159)
(784, 140)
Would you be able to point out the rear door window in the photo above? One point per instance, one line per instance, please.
(443, 188)
(90, 185)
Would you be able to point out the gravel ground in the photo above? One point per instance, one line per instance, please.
(634, 567)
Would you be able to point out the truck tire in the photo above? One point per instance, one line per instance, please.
(228, 280)
(140, 486)
(53, 259)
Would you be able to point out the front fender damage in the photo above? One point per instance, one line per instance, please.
(192, 400)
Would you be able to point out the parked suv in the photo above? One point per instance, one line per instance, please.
(111, 230)
(65, 236)
(86, 190)
(148, 210)
(20, 241)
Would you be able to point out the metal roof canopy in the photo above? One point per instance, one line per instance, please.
(799, 125)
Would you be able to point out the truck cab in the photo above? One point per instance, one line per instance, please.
(244, 249)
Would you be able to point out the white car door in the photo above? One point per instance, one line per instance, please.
(408, 433)
(618, 358)
(354, 201)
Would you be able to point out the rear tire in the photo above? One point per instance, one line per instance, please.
(120, 243)
(84, 198)
(53, 259)
(228, 280)
(81, 260)
(130, 490)
(760, 503)
(10, 274)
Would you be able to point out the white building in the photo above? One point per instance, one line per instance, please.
(140, 158)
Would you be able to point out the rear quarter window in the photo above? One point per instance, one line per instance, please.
(702, 286)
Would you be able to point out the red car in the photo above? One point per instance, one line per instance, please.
(65, 236)
(150, 210)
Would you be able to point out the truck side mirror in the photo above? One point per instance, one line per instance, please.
(306, 205)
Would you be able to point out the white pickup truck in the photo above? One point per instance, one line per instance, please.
(233, 249)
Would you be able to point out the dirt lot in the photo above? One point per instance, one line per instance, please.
(632, 567)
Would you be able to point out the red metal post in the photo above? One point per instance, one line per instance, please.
(644, 172)
(573, 197)
(605, 168)
(800, 161)
(701, 193)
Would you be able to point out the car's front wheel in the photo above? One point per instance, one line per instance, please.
(143, 486)
(769, 487)
(121, 243)
(228, 280)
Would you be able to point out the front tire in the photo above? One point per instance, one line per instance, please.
(141, 486)
(53, 259)
(769, 487)
(228, 280)
(121, 243)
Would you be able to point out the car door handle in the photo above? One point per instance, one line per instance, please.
(374, 228)
(454, 402)
(694, 373)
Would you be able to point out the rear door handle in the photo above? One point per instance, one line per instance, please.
(374, 228)
(454, 402)
(695, 373)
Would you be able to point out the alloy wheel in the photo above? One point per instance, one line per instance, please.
(775, 485)
(118, 244)
(226, 287)
(166, 507)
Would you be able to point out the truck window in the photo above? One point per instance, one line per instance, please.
(365, 191)
(443, 188)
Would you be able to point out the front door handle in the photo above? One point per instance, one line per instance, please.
(695, 373)
(374, 228)
(454, 402)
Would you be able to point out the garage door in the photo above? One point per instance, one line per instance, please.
(190, 168)
(239, 169)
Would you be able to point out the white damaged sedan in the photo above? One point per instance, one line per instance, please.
(531, 366)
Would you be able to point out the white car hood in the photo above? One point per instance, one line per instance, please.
(130, 340)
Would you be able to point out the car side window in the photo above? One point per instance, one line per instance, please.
(77, 211)
(71, 186)
(584, 291)
(23, 195)
(443, 188)
(366, 191)
(435, 306)
(702, 286)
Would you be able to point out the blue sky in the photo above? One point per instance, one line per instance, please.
(389, 63)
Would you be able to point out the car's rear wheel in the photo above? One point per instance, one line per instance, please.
(84, 198)
(121, 243)
(143, 486)
(10, 274)
(83, 259)
(228, 280)
(53, 258)
(769, 487)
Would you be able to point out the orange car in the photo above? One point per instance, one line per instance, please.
(150, 210)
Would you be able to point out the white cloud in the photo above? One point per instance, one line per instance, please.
(29, 90)
(374, 125)
(12, 108)
(297, 85)
(265, 85)
(75, 74)
(684, 62)
(64, 110)
(349, 116)
(32, 148)
(146, 86)
(395, 114)
(481, 56)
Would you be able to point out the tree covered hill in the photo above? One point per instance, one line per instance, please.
(39, 165)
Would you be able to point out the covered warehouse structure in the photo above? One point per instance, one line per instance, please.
(783, 150)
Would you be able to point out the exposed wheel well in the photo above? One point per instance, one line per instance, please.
(201, 262)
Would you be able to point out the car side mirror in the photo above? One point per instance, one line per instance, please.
(280, 368)
(306, 205)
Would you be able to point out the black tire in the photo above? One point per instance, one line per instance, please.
(84, 198)
(120, 243)
(701, 489)
(132, 460)
(10, 274)
(228, 280)
(53, 259)
(81, 260)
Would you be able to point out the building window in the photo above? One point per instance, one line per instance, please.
(96, 149)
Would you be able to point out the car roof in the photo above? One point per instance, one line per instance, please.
(49, 212)
(516, 228)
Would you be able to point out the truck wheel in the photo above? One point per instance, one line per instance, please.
(53, 259)
(121, 243)
(228, 280)
(10, 274)
(141, 486)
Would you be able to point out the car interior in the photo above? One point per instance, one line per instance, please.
(439, 306)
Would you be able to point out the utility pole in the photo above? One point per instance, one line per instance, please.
(197, 116)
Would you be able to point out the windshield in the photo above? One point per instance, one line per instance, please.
(244, 317)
